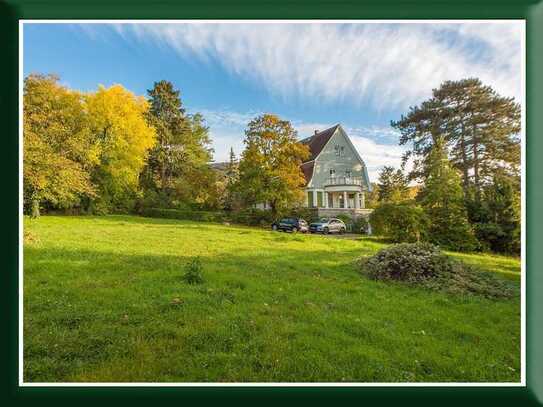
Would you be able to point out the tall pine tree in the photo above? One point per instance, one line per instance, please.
(482, 130)
(178, 166)
(479, 127)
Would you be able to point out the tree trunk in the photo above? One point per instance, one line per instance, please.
(465, 170)
(476, 179)
(476, 172)
(273, 209)
(35, 207)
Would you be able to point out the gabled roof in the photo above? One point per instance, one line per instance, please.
(307, 169)
(317, 141)
(316, 144)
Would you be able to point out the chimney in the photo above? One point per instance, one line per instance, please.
(316, 131)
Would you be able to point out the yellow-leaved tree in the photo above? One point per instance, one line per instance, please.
(269, 169)
(117, 122)
(58, 150)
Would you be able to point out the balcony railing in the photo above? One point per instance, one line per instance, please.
(344, 181)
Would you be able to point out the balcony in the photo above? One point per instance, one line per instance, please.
(341, 181)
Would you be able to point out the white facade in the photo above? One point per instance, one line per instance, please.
(337, 179)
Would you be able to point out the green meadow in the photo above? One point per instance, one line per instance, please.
(105, 300)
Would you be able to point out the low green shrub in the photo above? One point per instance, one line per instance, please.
(362, 225)
(252, 217)
(498, 239)
(399, 222)
(193, 272)
(425, 265)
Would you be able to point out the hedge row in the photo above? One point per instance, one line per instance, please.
(250, 217)
(204, 216)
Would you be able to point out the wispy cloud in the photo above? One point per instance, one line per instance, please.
(386, 65)
(376, 155)
(377, 66)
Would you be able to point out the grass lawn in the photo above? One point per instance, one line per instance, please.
(104, 300)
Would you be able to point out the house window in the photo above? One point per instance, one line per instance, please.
(337, 149)
(319, 199)
(310, 199)
(348, 174)
(342, 151)
(332, 173)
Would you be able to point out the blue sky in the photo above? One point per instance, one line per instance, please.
(315, 75)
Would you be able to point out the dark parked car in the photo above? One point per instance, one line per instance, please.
(291, 225)
(328, 225)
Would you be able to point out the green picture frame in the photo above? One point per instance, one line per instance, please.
(11, 12)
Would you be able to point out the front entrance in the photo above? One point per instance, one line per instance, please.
(351, 198)
(341, 201)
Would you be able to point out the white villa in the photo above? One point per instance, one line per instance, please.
(336, 175)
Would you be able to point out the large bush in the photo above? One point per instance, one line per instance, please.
(357, 224)
(425, 265)
(362, 225)
(399, 222)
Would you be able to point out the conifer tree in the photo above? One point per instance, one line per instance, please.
(499, 225)
(479, 126)
(178, 166)
(482, 130)
(392, 185)
(443, 202)
(231, 182)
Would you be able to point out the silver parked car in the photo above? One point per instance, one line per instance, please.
(328, 225)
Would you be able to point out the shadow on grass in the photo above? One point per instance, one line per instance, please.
(89, 311)
(141, 220)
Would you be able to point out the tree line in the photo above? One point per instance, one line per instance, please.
(110, 151)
